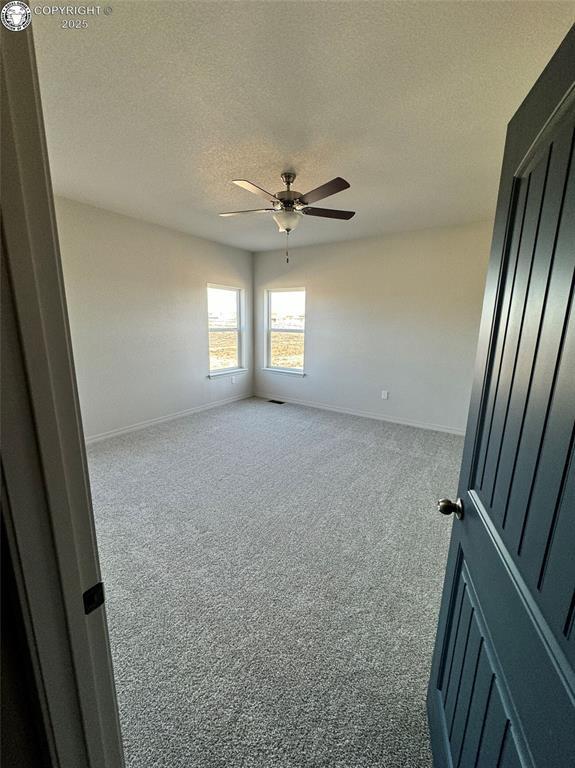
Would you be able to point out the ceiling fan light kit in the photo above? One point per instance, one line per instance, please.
(289, 205)
(287, 221)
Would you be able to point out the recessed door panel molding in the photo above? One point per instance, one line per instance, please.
(475, 707)
(526, 439)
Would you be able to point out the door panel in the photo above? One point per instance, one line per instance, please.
(527, 433)
(537, 354)
(556, 585)
(522, 663)
(502, 687)
(471, 685)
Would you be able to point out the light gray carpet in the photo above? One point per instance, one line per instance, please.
(273, 576)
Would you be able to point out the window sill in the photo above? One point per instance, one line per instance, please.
(284, 371)
(227, 372)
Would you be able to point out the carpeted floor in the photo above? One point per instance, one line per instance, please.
(273, 576)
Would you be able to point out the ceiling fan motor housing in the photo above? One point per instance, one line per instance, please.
(288, 197)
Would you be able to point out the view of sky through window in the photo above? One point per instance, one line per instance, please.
(222, 307)
(287, 309)
(286, 329)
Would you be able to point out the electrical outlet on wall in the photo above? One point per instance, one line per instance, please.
(384, 394)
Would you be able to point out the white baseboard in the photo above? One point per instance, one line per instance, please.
(309, 403)
(364, 414)
(143, 424)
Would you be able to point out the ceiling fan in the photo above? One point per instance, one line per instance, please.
(288, 206)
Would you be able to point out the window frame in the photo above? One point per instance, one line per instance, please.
(239, 330)
(268, 332)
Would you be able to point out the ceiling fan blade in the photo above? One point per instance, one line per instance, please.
(330, 188)
(328, 213)
(256, 190)
(255, 210)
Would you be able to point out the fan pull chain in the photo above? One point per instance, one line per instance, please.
(287, 246)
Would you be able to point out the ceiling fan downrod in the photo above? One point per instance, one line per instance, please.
(288, 179)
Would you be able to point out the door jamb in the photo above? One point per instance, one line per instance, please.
(49, 518)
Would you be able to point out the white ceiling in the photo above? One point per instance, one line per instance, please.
(152, 110)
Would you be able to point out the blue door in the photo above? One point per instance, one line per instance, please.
(502, 687)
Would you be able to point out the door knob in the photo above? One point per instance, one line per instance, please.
(448, 507)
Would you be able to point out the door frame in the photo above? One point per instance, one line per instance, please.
(49, 520)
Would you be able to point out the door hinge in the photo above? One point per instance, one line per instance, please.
(93, 597)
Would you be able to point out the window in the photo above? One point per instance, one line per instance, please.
(224, 328)
(286, 329)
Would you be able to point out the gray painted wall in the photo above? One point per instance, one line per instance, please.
(399, 313)
(138, 314)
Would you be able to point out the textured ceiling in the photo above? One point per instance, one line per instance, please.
(152, 110)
